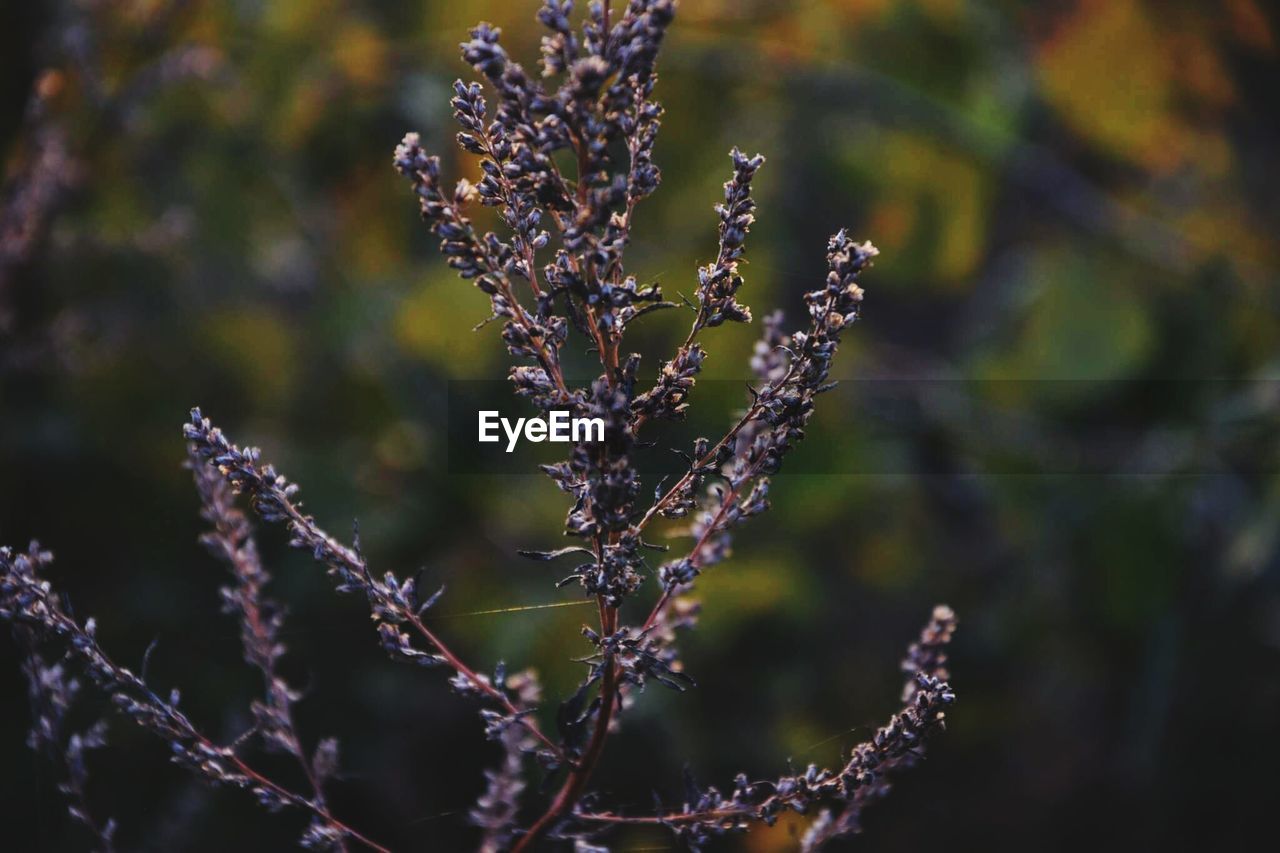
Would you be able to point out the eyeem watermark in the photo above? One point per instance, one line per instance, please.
(558, 427)
(997, 428)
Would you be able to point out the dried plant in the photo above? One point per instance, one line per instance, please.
(53, 692)
(603, 115)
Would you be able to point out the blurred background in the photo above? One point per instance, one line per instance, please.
(1061, 414)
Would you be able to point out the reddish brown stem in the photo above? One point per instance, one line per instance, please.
(481, 684)
(665, 819)
(580, 775)
(751, 414)
(696, 551)
(288, 795)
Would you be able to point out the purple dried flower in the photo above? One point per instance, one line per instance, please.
(28, 601)
(497, 808)
(707, 812)
(600, 107)
(605, 86)
(393, 603)
(53, 691)
(231, 541)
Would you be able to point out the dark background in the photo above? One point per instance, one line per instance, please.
(1075, 314)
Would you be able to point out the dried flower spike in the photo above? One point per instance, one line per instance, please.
(565, 158)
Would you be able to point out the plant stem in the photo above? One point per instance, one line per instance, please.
(580, 775)
(751, 415)
(356, 563)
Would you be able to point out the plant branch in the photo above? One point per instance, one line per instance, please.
(392, 603)
(579, 776)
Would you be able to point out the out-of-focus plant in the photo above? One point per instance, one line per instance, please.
(577, 158)
(48, 165)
